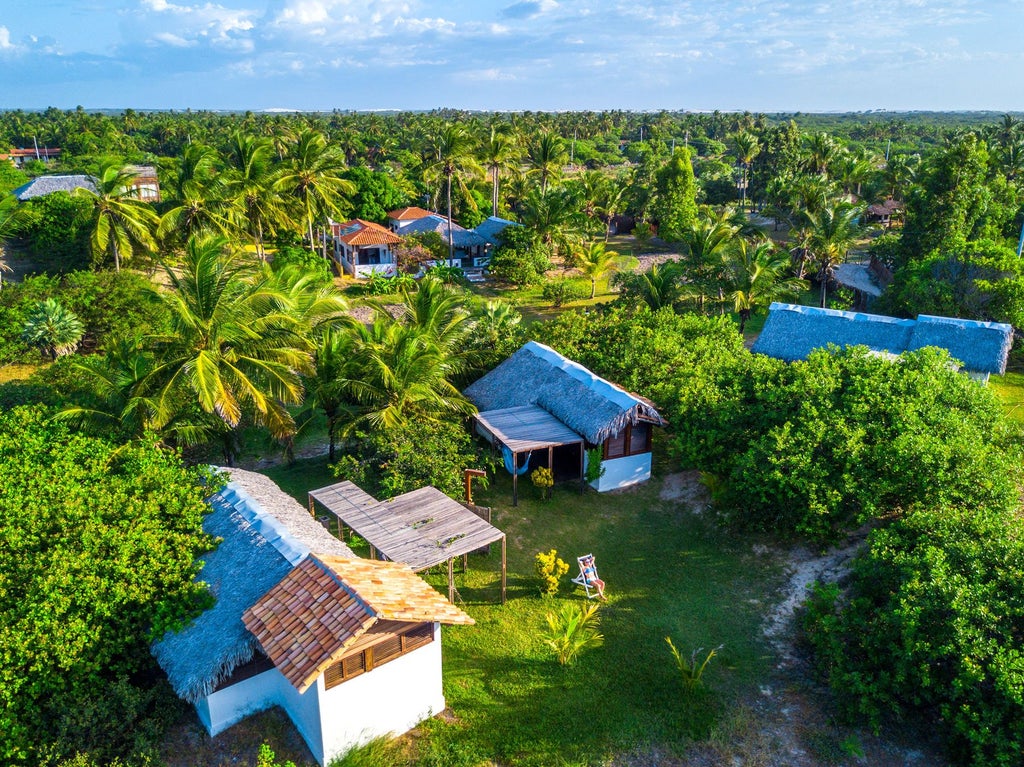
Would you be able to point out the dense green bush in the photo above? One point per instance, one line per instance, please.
(563, 290)
(932, 625)
(518, 261)
(821, 446)
(390, 462)
(97, 559)
(56, 230)
(295, 257)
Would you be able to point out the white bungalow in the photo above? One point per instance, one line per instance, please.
(363, 248)
(541, 403)
(349, 648)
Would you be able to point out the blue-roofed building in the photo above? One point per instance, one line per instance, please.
(792, 332)
(44, 185)
(492, 228)
(469, 247)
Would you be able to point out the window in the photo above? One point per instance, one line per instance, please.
(633, 440)
(388, 646)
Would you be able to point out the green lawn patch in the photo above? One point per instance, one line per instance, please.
(1010, 390)
(669, 572)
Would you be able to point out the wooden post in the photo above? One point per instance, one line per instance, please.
(515, 479)
(551, 460)
(373, 553)
(312, 509)
(583, 471)
(467, 477)
(504, 572)
(465, 563)
(451, 580)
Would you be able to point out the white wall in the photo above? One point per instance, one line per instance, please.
(623, 472)
(232, 704)
(391, 699)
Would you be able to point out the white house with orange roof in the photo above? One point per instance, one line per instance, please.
(362, 248)
(402, 217)
(349, 648)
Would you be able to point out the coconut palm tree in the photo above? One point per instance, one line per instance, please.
(553, 219)
(233, 345)
(121, 223)
(546, 158)
(10, 217)
(596, 260)
(311, 177)
(747, 148)
(249, 188)
(500, 153)
(53, 328)
(756, 275)
(832, 230)
(451, 161)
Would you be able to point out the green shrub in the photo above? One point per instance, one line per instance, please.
(691, 670)
(549, 569)
(931, 626)
(571, 630)
(563, 290)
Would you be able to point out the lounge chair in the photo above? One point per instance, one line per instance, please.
(588, 577)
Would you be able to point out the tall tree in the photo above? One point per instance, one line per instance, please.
(500, 153)
(675, 202)
(747, 148)
(546, 158)
(756, 275)
(312, 177)
(596, 260)
(452, 160)
(832, 230)
(121, 223)
(249, 186)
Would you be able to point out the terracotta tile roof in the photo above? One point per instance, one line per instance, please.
(409, 214)
(321, 608)
(394, 592)
(359, 232)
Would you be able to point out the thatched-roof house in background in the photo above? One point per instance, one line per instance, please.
(44, 185)
(525, 400)
(792, 332)
(349, 648)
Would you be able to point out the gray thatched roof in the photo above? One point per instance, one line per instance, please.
(586, 403)
(264, 533)
(44, 185)
(461, 237)
(492, 228)
(793, 332)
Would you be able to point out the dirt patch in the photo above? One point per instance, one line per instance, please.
(188, 744)
(686, 488)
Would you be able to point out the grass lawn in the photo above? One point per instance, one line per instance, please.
(1009, 387)
(669, 573)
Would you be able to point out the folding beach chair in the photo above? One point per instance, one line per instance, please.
(588, 577)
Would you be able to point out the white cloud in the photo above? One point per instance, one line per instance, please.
(173, 40)
(425, 25)
(5, 39)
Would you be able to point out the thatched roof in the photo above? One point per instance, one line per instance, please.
(44, 185)
(793, 332)
(460, 236)
(586, 403)
(264, 533)
(492, 228)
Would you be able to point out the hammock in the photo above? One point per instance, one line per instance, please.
(510, 467)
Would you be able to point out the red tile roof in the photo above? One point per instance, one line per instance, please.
(359, 232)
(409, 214)
(321, 608)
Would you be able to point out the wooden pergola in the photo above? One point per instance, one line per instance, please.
(422, 528)
(525, 429)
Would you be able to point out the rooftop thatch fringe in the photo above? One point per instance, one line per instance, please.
(538, 375)
(264, 532)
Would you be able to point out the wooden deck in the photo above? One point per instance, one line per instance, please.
(526, 428)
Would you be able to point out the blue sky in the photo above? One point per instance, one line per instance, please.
(513, 54)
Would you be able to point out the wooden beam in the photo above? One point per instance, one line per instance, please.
(504, 571)
(451, 580)
(515, 479)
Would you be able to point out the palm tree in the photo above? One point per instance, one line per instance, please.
(756, 275)
(312, 178)
(452, 152)
(706, 242)
(500, 152)
(10, 217)
(553, 219)
(121, 223)
(747, 148)
(820, 150)
(832, 230)
(249, 188)
(546, 158)
(232, 342)
(53, 328)
(596, 260)
(659, 286)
